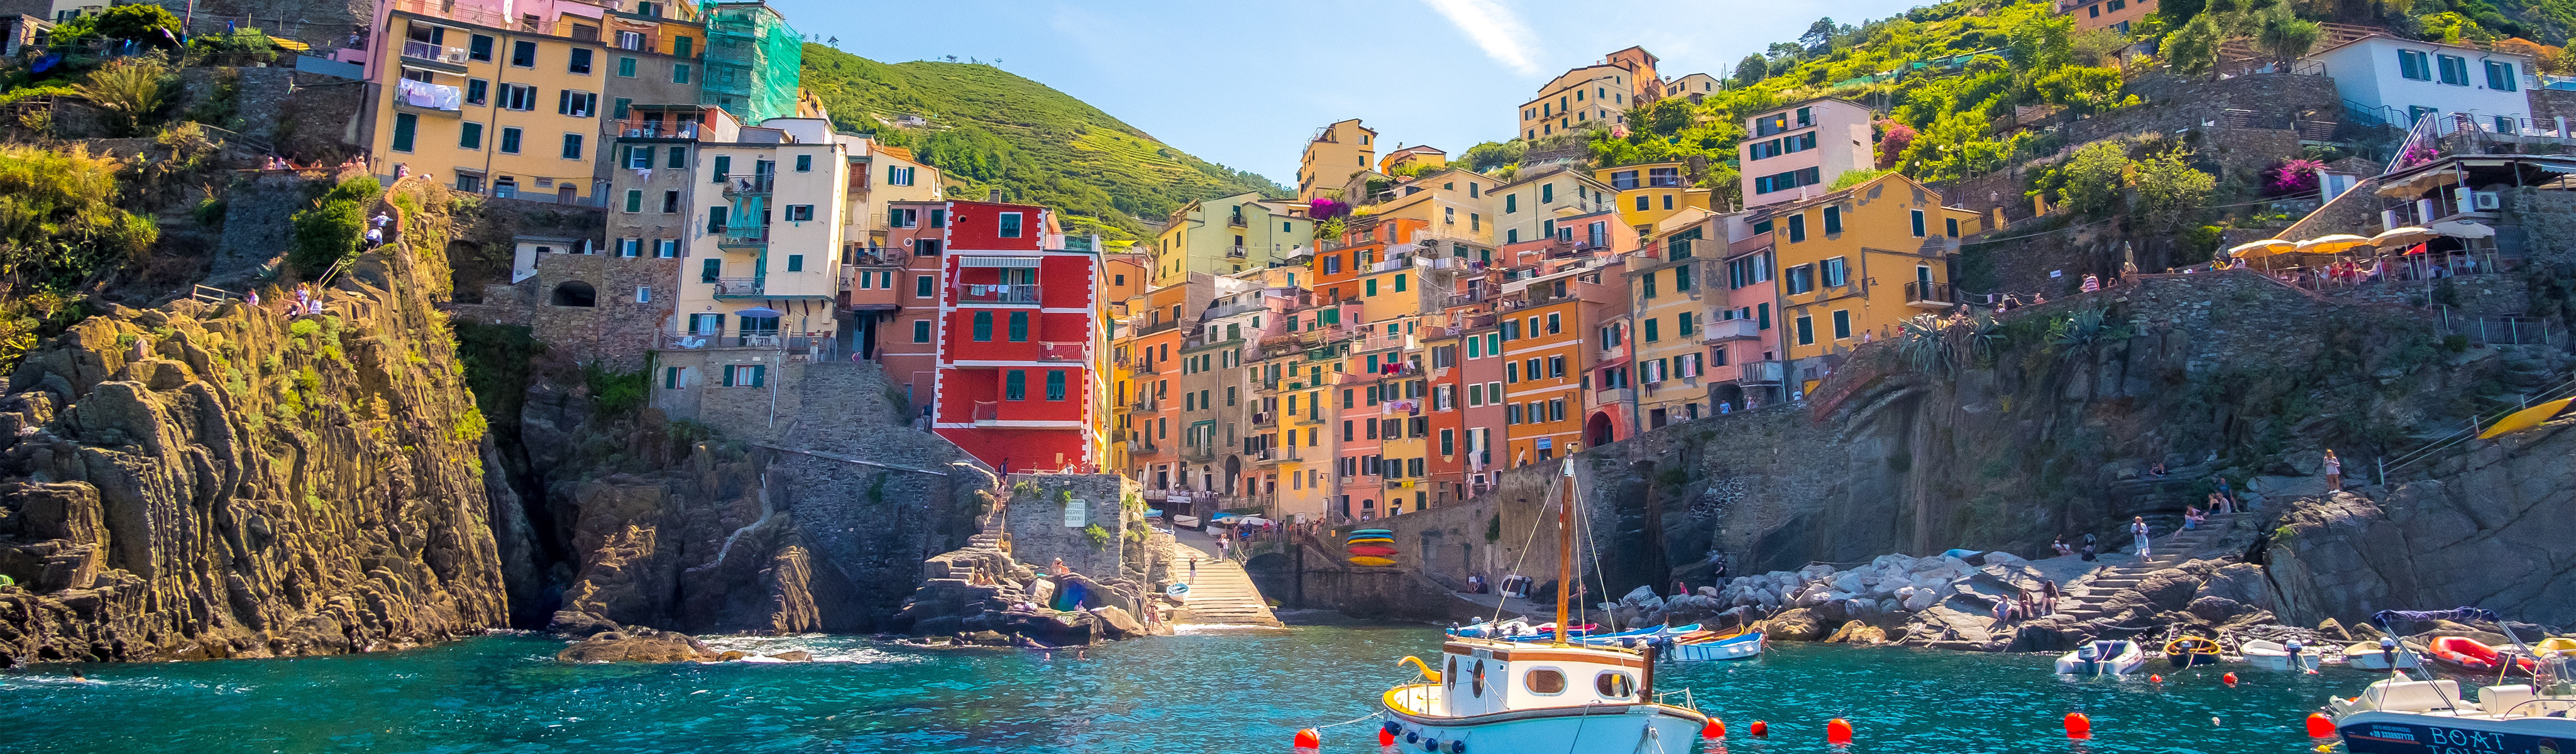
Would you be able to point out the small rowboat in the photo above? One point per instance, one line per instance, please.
(1365, 560)
(1381, 551)
(2113, 657)
(1740, 646)
(2270, 655)
(2191, 650)
(1630, 638)
(2369, 655)
(2463, 653)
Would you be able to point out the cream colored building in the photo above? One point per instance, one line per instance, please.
(1337, 151)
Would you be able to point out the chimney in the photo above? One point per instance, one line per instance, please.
(994, 197)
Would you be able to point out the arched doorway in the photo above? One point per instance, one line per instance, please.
(575, 293)
(1597, 431)
(1728, 397)
(1233, 472)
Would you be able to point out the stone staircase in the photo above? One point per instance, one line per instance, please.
(1220, 592)
(2085, 598)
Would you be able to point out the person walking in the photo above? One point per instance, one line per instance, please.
(2334, 472)
(2138, 529)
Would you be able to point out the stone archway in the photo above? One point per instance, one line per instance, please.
(1599, 431)
(574, 293)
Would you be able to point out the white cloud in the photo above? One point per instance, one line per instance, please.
(1494, 28)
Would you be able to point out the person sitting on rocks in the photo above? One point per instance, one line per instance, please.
(2157, 470)
(2060, 547)
(2190, 517)
(2048, 590)
(1058, 569)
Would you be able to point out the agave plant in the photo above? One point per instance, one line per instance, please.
(1985, 337)
(1925, 342)
(2079, 331)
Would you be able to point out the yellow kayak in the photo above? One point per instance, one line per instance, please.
(2555, 646)
(1368, 560)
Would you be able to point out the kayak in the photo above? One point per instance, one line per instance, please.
(1381, 551)
(2558, 646)
(1372, 541)
(1372, 531)
(2468, 654)
(1372, 561)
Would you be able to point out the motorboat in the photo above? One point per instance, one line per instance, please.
(1740, 646)
(1631, 637)
(2187, 651)
(1502, 696)
(2405, 715)
(2273, 655)
(2113, 657)
(2375, 656)
(2470, 655)
(1493, 629)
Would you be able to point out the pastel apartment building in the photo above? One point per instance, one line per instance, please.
(2116, 15)
(1796, 151)
(2404, 80)
(1227, 235)
(1649, 193)
(1017, 383)
(1335, 152)
(1855, 263)
(491, 97)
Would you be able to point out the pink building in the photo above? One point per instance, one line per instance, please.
(1798, 150)
(1742, 332)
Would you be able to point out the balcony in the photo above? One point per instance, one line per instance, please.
(428, 56)
(1274, 456)
(1156, 326)
(1141, 447)
(1235, 221)
(1234, 252)
(1750, 244)
(757, 340)
(649, 128)
(1616, 395)
(755, 185)
(1759, 372)
(1720, 331)
(741, 287)
(1063, 351)
(1265, 419)
(1142, 366)
(433, 99)
(1198, 452)
(743, 237)
(988, 413)
(1927, 295)
(978, 293)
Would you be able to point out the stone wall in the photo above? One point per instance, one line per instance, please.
(617, 329)
(2547, 105)
(1035, 521)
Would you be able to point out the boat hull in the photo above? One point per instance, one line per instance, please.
(2412, 733)
(1739, 648)
(1621, 729)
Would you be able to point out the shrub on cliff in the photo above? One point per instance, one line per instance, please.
(131, 93)
(331, 229)
(60, 227)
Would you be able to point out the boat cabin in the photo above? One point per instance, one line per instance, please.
(1479, 677)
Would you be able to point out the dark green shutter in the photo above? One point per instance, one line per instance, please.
(405, 125)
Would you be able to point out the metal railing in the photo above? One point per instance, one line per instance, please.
(754, 185)
(1718, 331)
(986, 411)
(427, 51)
(744, 235)
(1760, 372)
(759, 340)
(995, 294)
(751, 286)
(1063, 351)
(1918, 292)
(640, 128)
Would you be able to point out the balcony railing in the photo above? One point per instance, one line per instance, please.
(746, 236)
(1617, 395)
(1142, 366)
(1063, 351)
(1198, 452)
(996, 294)
(1234, 252)
(434, 53)
(751, 185)
(1150, 328)
(752, 286)
(764, 341)
(1720, 331)
(1759, 372)
(1929, 295)
(1265, 419)
(987, 411)
(640, 128)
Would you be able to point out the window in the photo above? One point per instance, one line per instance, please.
(1552, 322)
(2411, 64)
(1646, 285)
(745, 375)
(671, 202)
(1918, 223)
(1653, 334)
(983, 326)
(1643, 203)
(1798, 227)
(1015, 385)
(1806, 330)
(1954, 227)
(1835, 273)
(643, 294)
(2454, 69)
(1019, 327)
(477, 91)
(680, 71)
(1370, 285)
(1010, 224)
(717, 217)
(1614, 684)
(406, 126)
(636, 158)
(804, 163)
(480, 48)
(1800, 279)
(1685, 323)
(518, 97)
(680, 46)
(1511, 204)
(1682, 278)
(634, 200)
(666, 248)
(1833, 220)
(723, 165)
(795, 263)
(575, 104)
(625, 65)
(572, 146)
(580, 62)
(800, 213)
(2500, 76)
(523, 54)
(1842, 324)
(921, 329)
(898, 176)
(708, 271)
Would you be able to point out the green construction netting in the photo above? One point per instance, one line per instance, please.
(754, 61)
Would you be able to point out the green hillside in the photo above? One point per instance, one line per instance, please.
(991, 129)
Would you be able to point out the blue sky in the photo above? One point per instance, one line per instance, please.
(1245, 84)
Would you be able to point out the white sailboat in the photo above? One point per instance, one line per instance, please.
(1494, 696)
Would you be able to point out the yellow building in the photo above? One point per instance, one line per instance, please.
(1337, 151)
(1417, 157)
(1668, 316)
(1225, 235)
(1855, 263)
(511, 109)
(1600, 94)
(1450, 202)
(1539, 204)
(1650, 192)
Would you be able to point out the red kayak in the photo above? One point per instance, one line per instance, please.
(2463, 653)
(1381, 551)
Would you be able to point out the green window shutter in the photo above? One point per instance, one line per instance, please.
(469, 135)
(728, 375)
(1511, 203)
(680, 71)
(759, 375)
(626, 67)
(1399, 282)
(723, 165)
(1015, 385)
(634, 200)
(795, 263)
(1371, 285)
(1055, 385)
(1652, 334)
(406, 125)
(708, 272)
(1019, 327)
(679, 158)
(983, 326)
(921, 287)
(623, 103)
(671, 378)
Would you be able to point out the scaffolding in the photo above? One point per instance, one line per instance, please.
(754, 61)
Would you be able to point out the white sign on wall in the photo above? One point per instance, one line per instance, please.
(1077, 514)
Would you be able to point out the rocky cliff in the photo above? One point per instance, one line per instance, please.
(222, 480)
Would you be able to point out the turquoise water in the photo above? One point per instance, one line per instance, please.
(1217, 691)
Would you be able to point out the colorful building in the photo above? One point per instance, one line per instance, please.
(1540, 204)
(1600, 93)
(1741, 331)
(1336, 151)
(1651, 192)
(2116, 15)
(754, 60)
(1854, 263)
(1018, 330)
(1228, 235)
(1796, 151)
(490, 102)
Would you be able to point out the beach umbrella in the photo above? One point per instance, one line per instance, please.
(2333, 244)
(2526, 418)
(759, 311)
(2395, 237)
(2262, 248)
(2463, 229)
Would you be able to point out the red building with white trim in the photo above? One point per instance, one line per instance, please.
(1019, 339)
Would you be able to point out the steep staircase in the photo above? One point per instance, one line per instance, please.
(1220, 592)
(2085, 598)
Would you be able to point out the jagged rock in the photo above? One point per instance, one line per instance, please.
(988, 639)
(1946, 627)
(2238, 582)
(1856, 632)
(642, 645)
(794, 655)
(1794, 625)
(2168, 589)
(1117, 625)
(2216, 609)
(2332, 629)
(579, 625)
(2485, 535)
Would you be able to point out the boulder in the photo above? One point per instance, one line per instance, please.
(2216, 609)
(1117, 625)
(2238, 582)
(2168, 589)
(794, 655)
(578, 625)
(1794, 625)
(1856, 632)
(1946, 627)
(641, 645)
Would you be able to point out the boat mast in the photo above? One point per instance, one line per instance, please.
(1565, 547)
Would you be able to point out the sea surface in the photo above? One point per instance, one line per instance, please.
(1208, 690)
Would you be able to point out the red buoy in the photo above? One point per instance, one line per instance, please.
(1309, 739)
(2155, 678)
(1759, 729)
(2230, 678)
(2078, 726)
(1838, 731)
(1714, 730)
(1385, 737)
(2320, 726)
